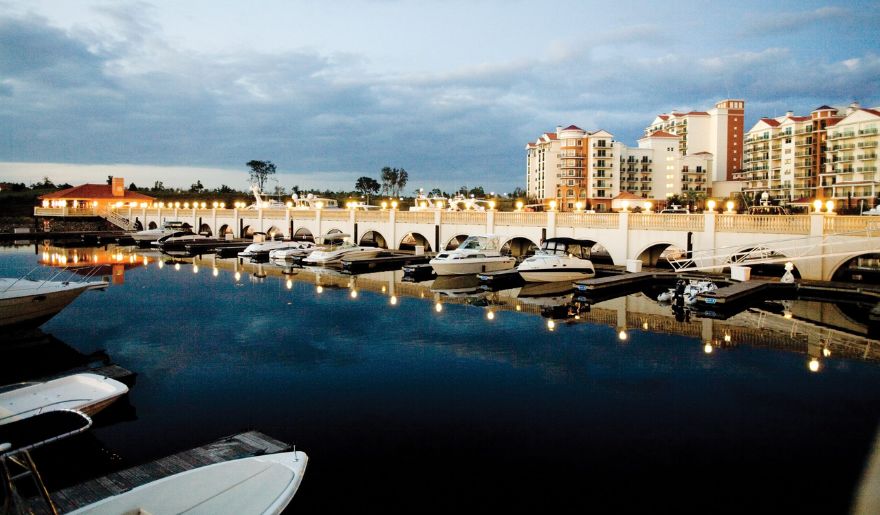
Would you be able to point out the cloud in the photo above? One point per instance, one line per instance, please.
(788, 21)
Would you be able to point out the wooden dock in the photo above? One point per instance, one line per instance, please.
(242, 445)
(390, 260)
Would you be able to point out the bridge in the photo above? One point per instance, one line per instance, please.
(817, 244)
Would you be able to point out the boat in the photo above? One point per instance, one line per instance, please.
(264, 249)
(476, 254)
(689, 291)
(86, 392)
(171, 226)
(333, 252)
(457, 285)
(26, 301)
(256, 485)
(264, 203)
(177, 240)
(559, 259)
(311, 202)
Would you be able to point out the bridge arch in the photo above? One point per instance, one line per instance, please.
(224, 230)
(412, 239)
(657, 253)
(863, 268)
(518, 246)
(206, 230)
(455, 241)
(274, 231)
(247, 232)
(152, 225)
(373, 238)
(303, 234)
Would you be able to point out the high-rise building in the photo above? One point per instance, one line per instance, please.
(830, 154)
(718, 131)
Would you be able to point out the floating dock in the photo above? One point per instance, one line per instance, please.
(389, 260)
(242, 445)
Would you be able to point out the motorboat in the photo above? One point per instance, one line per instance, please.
(689, 291)
(559, 259)
(311, 202)
(264, 203)
(256, 485)
(86, 392)
(264, 249)
(171, 226)
(291, 253)
(476, 254)
(26, 301)
(177, 240)
(333, 252)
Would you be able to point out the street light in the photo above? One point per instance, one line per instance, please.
(817, 205)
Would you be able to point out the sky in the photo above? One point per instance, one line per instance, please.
(180, 91)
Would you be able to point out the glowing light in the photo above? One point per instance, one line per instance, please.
(711, 204)
(215, 272)
(817, 205)
(727, 338)
(393, 204)
(551, 325)
(786, 314)
(393, 300)
(578, 206)
(204, 205)
(729, 206)
(45, 203)
(491, 204)
(384, 288)
(438, 307)
(176, 266)
(177, 204)
(384, 205)
(146, 261)
(319, 289)
(814, 365)
(354, 294)
(645, 326)
(552, 205)
(161, 264)
(625, 205)
(319, 204)
(707, 348)
(490, 315)
(215, 204)
(439, 204)
(186, 205)
(518, 307)
(195, 268)
(223, 205)
(237, 276)
(424, 204)
(648, 206)
(519, 205)
(829, 206)
(622, 336)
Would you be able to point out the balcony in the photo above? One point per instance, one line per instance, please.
(866, 131)
(866, 157)
(867, 144)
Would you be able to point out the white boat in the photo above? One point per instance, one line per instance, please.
(311, 202)
(689, 291)
(257, 485)
(265, 248)
(26, 301)
(333, 252)
(558, 259)
(177, 240)
(87, 393)
(167, 228)
(264, 203)
(476, 254)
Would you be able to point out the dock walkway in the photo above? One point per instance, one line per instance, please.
(242, 445)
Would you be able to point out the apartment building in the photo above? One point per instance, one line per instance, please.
(572, 166)
(717, 131)
(830, 154)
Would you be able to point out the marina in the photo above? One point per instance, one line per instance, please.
(340, 398)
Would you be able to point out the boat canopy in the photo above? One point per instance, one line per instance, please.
(486, 242)
(567, 246)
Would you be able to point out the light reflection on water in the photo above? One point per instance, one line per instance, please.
(394, 388)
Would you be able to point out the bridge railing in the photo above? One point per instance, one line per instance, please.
(463, 217)
(842, 224)
(371, 216)
(591, 220)
(415, 217)
(520, 218)
(661, 222)
(335, 214)
(770, 224)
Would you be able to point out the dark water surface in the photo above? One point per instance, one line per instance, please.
(404, 408)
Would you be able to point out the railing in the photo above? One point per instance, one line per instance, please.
(660, 222)
(335, 215)
(592, 220)
(842, 224)
(771, 224)
(415, 217)
(520, 218)
(371, 216)
(463, 217)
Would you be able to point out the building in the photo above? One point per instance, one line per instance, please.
(587, 169)
(96, 195)
(718, 131)
(829, 154)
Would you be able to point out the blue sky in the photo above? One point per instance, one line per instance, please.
(452, 91)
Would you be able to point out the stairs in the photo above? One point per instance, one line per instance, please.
(116, 219)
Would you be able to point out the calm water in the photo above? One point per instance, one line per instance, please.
(402, 407)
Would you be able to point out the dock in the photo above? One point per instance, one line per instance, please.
(388, 260)
(417, 273)
(241, 445)
(740, 293)
(502, 279)
(216, 246)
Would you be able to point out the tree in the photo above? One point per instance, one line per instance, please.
(260, 171)
(402, 178)
(132, 187)
(224, 189)
(110, 180)
(197, 187)
(518, 192)
(158, 186)
(436, 192)
(366, 186)
(46, 184)
(280, 190)
(389, 180)
(477, 191)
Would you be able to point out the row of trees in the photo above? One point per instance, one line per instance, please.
(393, 182)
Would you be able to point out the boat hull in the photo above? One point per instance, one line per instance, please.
(37, 308)
(88, 393)
(257, 485)
(556, 275)
(472, 266)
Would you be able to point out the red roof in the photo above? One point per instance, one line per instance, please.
(872, 111)
(770, 121)
(700, 113)
(660, 134)
(572, 128)
(550, 135)
(663, 117)
(95, 192)
(799, 118)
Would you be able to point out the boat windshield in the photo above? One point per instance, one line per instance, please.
(479, 243)
(562, 248)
